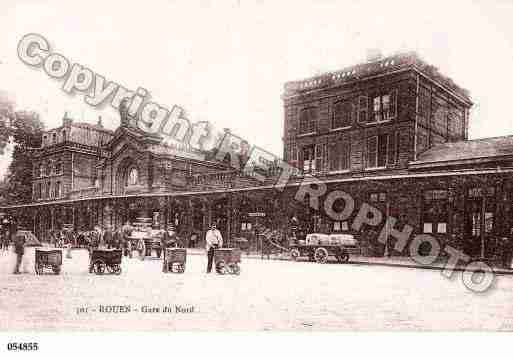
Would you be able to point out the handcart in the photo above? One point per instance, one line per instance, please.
(48, 259)
(105, 261)
(227, 260)
(174, 260)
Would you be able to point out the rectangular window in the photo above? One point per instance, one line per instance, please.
(48, 188)
(376, 197)
(340, 154)
(246, 226)
(309, 159)
(377, 151)
(308, 120)
(384, 107)
(435, 211)
(382, 150)
(362, 107)
(57, 190)
(341, 114)
(320, 150)
(372, 152)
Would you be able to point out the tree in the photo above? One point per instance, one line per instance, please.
(6, 115)
(25, 132)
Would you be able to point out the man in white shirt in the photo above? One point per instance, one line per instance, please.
(213, 240)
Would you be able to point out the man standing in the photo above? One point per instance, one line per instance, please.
(107, 237)
(19, 249)
(127, 244)
(213, 240)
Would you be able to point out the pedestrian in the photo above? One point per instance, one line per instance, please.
(193, 239)
(19, 249)
(169, 239)
(213, 240)
(118, 238)
(127, 244)
(108, 237)
(141, 248)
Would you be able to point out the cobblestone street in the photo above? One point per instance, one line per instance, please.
(268, 295)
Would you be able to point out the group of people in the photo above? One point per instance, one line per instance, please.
(4, 241)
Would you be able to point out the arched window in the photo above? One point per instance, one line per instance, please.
(63, 135)
(133, 177)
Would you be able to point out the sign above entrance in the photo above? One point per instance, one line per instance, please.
(256, 214)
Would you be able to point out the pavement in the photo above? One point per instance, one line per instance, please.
(393, 261)
(268, 295)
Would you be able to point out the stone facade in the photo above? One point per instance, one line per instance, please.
(391, 133)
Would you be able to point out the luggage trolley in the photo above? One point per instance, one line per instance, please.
(48, 258)
(174, 260)
(105, 260)
(227, 260)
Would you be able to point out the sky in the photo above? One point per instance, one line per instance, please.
(226, 62)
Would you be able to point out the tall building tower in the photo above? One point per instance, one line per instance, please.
(374, 117)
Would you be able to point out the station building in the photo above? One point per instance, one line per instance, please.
(392, 132)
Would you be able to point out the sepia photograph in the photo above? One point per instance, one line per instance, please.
(331, 166)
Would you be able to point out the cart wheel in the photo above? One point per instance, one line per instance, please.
(117, 269)
(235, 269)
(99, 267)
(221, 267)
(294, 254)
(181, 268)
(321, 255)
(56, 269)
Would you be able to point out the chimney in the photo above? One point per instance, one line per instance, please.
(100, 121)
(374, 54)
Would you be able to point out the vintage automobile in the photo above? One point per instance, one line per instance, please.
(319, 246)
